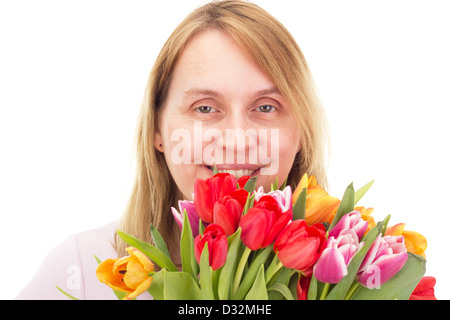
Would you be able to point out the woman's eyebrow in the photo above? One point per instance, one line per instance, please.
(200, 92)
(271, 90)
(207, 92)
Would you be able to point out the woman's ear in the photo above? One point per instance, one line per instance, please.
(158, 142)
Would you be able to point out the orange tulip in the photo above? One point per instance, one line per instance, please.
(320, 206)
(131, 274)
(414, 241)
(366, 215)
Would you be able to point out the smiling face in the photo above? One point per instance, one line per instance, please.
(222, 110)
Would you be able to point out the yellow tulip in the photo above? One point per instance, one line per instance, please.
(320, 206)
(414, 241)
(131, 274)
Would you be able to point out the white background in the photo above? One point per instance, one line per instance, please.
(72, 76)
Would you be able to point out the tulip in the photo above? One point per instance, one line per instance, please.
(299, 245)
(332, 265)
(217, 241)
(208, 192)
(303, 288)
(191, 214)
(284, 198)
(424, 289)
(385, 258)
(366, 215)
(353, 221)
(131, 274)
(227, 213)
(262, 223)
(242, 181)
(305, 182)
(320, 206)
(414, 241)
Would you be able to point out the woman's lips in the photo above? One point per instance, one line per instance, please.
(238, 171)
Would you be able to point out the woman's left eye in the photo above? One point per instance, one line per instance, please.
(266, 108)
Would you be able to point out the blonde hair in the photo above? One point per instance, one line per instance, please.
(275, 51)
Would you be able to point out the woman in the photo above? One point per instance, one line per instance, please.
(229, 75)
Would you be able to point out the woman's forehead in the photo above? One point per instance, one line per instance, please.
(212, 62)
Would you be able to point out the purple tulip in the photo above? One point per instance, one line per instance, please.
(191, 214)
(385, 258)
(352, 220)
(332, 264)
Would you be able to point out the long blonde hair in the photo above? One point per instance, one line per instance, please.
(275, 51)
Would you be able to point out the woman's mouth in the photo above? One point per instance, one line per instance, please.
(238, 172)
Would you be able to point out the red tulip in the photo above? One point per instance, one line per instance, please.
(303, 288)
(263, 222)
(228, 210)
(242, 181)
(299, 245)
(217, 241)
(424, 289)
(208, 192)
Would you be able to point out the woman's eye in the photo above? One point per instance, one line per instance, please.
(205, 109)
(266, 108)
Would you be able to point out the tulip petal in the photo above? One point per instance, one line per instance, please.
(331, 266)
(254, 225)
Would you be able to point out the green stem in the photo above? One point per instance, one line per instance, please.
(326, 287)
(240, 269)
(355, 286)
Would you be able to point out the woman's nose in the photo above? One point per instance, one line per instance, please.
(238, 135)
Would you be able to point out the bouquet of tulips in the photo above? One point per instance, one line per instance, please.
(241, 243)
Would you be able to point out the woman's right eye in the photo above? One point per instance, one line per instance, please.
(205, 109)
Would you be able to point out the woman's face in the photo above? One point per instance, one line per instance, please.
(222, 110)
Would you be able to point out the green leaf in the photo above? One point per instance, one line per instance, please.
(347, 205)
(283, 289)
(188, 262)
(283, 277)
(150, 251)
(340, 290)
(250, 185)
(159, 241)
(400, 286)
(156, 288)
(362, 191)
(228, 269)
(251, 274)
(206, 286)
(312, 291)
(249, 203)
(299, 208)
(97, 259)
(180, 286)
(258, 291)
(283, 185)
(66, 294)
(215, 171)
(119, 294)
(274, 185)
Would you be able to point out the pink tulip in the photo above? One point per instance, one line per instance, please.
(352, 220)
(284, 198)
(332, 264)
(191, 214)
(385, 258)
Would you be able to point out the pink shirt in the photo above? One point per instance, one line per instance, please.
(71, 266)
